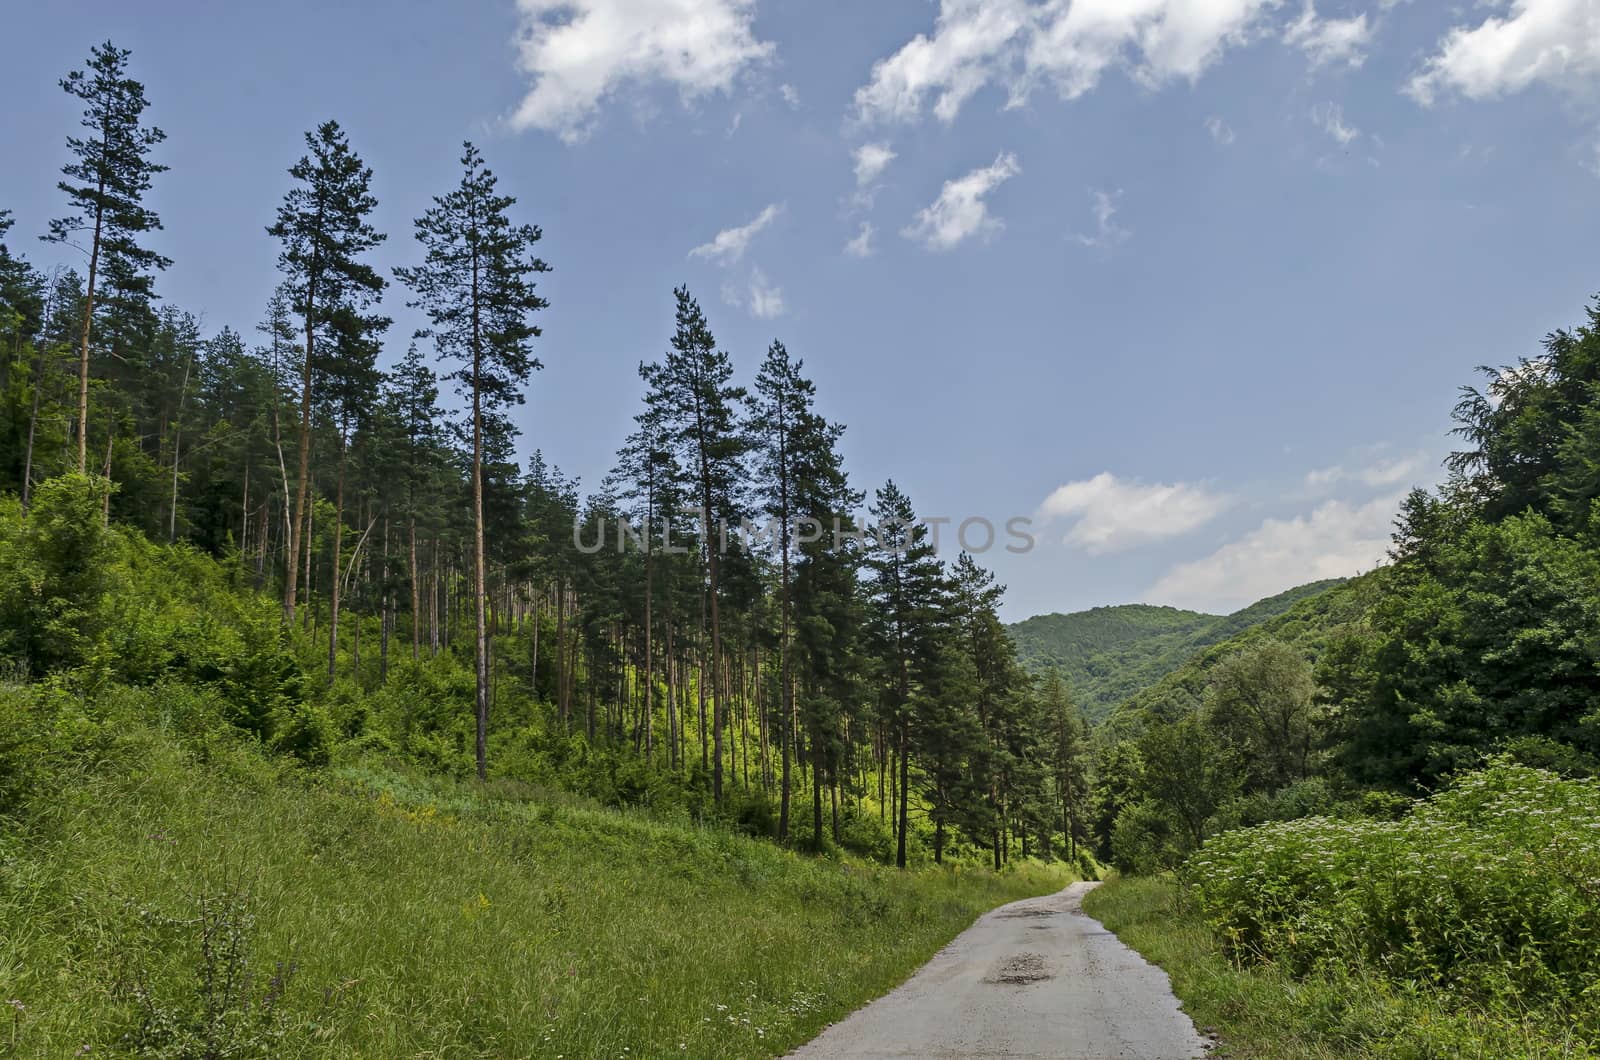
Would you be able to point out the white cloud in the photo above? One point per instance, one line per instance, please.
(1555, 42)
(728, 246)
(1329, 41)
(790, 94)
(579, 52)
(1107, 232)
(1336, 540)
(1393, 471)
(759, 296)
(1156, 40)
(1221, 132)
(960, 212)
(766, 298)
(1114, 514)
(861, 245)
(969, 39)
(1329, 117)
(1067, 43)
(871, 160)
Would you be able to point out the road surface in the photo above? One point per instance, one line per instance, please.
(1038, 978)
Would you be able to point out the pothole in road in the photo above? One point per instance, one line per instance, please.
(1027, 913)
(1022, 968)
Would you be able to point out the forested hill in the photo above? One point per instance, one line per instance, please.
(1304, 619)
(1109, 654)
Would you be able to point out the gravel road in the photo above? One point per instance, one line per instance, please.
(1038, 978)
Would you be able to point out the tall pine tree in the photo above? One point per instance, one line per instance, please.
(324, 230)
(105, 187)
(476, 283)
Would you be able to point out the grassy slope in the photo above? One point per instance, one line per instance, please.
(1258, 1011)
(433, 920)
(1110, 654)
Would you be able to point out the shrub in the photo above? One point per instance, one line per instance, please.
(1489, 889)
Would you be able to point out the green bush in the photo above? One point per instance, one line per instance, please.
(55, 570)
(1489, 890)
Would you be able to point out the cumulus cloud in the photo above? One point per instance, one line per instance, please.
(1221, 132)
(1330, 41)
(1553, 42)
(1068, 44)
(1112, 514)
(861, 245)
(1334, 541)
(790, 94)
(1107, 232)
(960, 57)
(961, 212)
(579, 52)
(759, 296)
(729, 245)
(1329, 117)
(871, 160)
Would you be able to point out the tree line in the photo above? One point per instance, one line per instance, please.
(323, 461)
(1476, 639)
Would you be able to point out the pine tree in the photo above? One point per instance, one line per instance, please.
(476, 284)
(693, 391)
(105, 187)
(650, 474)
(1068, 756)
(348, 366)
(411, 395)
(324, 230)
(909, 593)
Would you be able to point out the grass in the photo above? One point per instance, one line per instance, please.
(1258, 1010)
(181, 898)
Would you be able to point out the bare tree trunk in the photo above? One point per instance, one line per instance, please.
(300, 522)
(105, 497)
(433, 602)
(416, 592)
(33, 424)
(88, 321)
(905, 779)
(479, 572)
(383, 606)
(338, 554)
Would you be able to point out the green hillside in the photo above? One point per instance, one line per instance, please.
(1110, 654)
(1305, 624)
(169, 890)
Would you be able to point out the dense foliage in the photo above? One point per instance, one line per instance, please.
(453, 606)
(1486, 890)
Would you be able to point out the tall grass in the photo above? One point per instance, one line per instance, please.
(180, 895)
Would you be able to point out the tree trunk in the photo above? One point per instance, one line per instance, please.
(33, 423)
(479, 573)
(88, 321)
(334, 593)
(300, 522)
(416, 589)
(905, 778)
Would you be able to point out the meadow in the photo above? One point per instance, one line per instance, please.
(169, 890)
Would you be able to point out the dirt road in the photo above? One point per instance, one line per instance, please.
(1037, 978)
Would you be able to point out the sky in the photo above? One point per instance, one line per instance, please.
(1188, 284)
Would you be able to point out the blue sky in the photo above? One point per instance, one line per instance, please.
(1189, 282)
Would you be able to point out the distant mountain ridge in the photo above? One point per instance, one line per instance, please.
(1110, 654)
